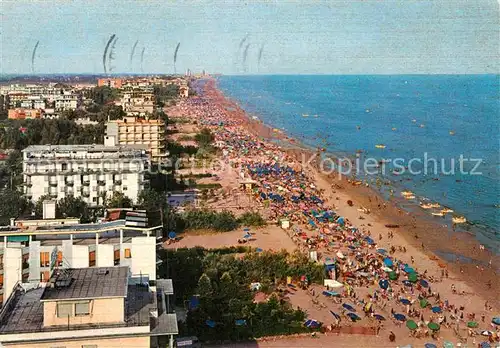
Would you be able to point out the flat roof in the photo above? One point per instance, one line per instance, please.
(87, 283)
(84, 147)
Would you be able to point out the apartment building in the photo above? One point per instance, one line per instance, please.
(89, 307)
(30, 249)
(139, 131)
(66, 101)
(138, 103)
(110, 82)
(22, 114)
(92, 172)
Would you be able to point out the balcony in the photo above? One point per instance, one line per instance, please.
(101, 182)
(69, 183)
(53, 184)
(117, 182)
(53, 194)
(86, 194)
(86, 183)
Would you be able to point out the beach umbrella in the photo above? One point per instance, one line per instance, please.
(433, 326)
(247, 236)
(240, 322)
(424, 283)
(383, 283)
(430, 345)
(423, 303)
(399, 317)
(407, 346)
(393, 275)
(486, 333)
(386, 269)
(311, 323)
(485, 345)
(496, 320)
(405, 301)
(349, 307)
(353, 316)
(408, 269)
(388, 262)
(381, 251)
(171, 235)
(246, 229)
(369, 240)
(259, 250)
(378, 317)
(448, 344)
(407, 283)
(472, 324)
(436, 309)
(412, 325)
(335, 315)
(412, 277)
(210, 323)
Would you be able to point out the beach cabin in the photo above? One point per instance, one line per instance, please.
(285, 224)
(247, 184)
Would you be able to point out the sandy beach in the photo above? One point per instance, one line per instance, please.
(454, 274)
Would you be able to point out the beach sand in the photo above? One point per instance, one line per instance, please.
(475, 282)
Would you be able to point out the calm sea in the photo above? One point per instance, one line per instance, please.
(418, 117)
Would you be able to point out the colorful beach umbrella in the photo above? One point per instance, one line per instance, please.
(485, 345)
(353, 316)
(171, 235)
(433, 326)
(349, 307)
(448, 344)
(436, 309)
(496, 320)
(210, 323)
(383, 283)
(472, 324)
(378, 317)
(408, 269)
(399, 317)
(424, 283)
(486, 333)
(430, 345)
(388, 262)
(311, 323)
(393, 275)
(259, 250)
(240, 322)
(405, 301)
(412, 277)
(381, 251)
(407, 283)
(412, 325)
(423, 303)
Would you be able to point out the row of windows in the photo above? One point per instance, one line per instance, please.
(73, 309)
(45, 260)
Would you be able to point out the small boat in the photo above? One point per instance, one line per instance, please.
(422, 125)
(315, 115)
(406, 193)
(459, 220)
(367, 110)
(446, 210)
(438, 214)
(426, 206)
(380, 146)
(305, 115)
(394, 128)
(452, 133)
(358, 127)
(410, 197)
(414, 120)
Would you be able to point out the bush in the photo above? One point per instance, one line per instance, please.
(205, 219)
(252, 218)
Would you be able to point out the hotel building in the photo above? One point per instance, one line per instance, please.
(92, 172)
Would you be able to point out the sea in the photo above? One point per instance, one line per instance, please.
(394, 128)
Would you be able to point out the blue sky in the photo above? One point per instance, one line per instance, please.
(307, 37)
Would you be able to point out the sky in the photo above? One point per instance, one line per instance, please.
(296, 37)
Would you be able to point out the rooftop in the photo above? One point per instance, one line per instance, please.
(87, 283)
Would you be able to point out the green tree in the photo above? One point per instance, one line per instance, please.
(204, 288)
(204, 138)
(119, 200)
(13, 205)
(70, 206)
(152, 200)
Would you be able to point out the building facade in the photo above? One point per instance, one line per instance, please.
(113, 83)
(92, 172)
(22, 114)
(139, 131)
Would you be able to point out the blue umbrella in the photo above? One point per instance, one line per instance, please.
(210, 323)
(399, 317)
(405, 301)
(430, 345)
(341, 221)
(171, 235)
(485, 345)
(496, 320)
(246, 229)
(247, 236)
(383, 283)
(388, 262)
(436, 309)
(407, 283)
(335, 315)
(240, 322)
(352, 247)
(424, 283)
(378, 317)
(369, 240)
(408, 269)
(311, 323)
(259, 250)
(353, 316)
(381, 251)
(349, 307)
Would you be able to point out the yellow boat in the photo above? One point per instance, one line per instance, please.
(459, 220)
(425, 206)
(380, 146)
(406, 193)
(452, 133)
(410, 197)
(446, 210)
(394, 128)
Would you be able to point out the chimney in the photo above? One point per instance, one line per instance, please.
(49, 210)
(12, 221)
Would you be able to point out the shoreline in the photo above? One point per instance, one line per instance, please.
(435, 237)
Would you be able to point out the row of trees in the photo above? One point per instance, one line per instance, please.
(222, 284)
(18, 134)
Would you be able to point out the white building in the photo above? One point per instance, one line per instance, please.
(92, 172)
(66, 101)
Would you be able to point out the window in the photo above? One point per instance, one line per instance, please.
(124, 188)
(44, 259)
(64, 310)
(59, 258)
(128, 254)
(92, 259)
(82, 308)
(44, 276)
